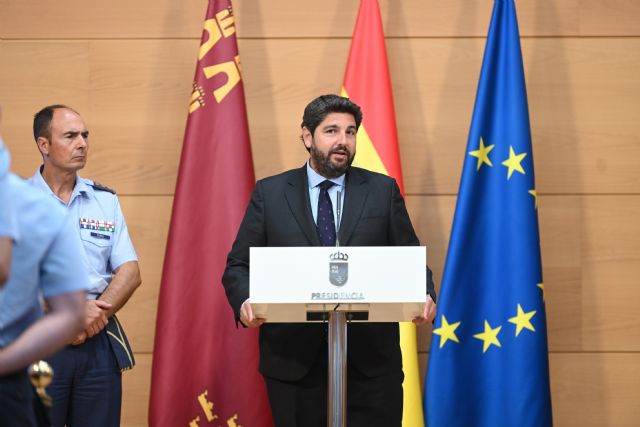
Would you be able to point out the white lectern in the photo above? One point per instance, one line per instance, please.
(336, 285)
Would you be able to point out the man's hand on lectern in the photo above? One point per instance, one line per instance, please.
(428, 313)
(247, 318)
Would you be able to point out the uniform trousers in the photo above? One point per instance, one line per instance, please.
(87, 385)
(18, 401)
(371, 401)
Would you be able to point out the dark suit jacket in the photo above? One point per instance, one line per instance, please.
(279, 214)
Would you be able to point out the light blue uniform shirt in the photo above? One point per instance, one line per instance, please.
(43, 261)
(100, 223)
(315, 179)
(7, 218)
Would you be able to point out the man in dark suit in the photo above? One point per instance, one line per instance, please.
(295, 208)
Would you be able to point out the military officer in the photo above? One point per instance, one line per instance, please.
(87, 386)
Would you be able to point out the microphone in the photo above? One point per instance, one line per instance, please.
(339, 216)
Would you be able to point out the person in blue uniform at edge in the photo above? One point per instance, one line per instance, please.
(87, 387)
(43, 241)
(283, 211)
(7, 225)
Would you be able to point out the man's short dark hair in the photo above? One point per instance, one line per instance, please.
(42, 120)
(316, 111)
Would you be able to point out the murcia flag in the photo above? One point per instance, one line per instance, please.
(205, 370)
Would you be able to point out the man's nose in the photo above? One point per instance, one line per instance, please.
(82, 141)
(342, 139)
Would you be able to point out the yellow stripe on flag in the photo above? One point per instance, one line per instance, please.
(366, 155)
(412, 415)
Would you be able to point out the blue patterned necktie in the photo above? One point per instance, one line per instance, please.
(326, 225)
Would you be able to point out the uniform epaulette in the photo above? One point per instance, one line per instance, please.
(101, 187)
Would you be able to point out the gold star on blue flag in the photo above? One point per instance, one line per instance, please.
(479, 376)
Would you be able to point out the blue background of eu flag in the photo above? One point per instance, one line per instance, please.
(478, 377)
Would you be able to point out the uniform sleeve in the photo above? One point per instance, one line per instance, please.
(122, 250)
(8, 226)
(62, 270)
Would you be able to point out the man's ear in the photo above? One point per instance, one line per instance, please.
(43, 145)
(306, 138)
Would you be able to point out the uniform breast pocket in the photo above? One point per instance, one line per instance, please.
(97, 245)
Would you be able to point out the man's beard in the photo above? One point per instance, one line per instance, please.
(323, 164)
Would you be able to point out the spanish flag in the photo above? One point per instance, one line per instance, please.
(368, 84)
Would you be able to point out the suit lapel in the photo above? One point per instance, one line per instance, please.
(356, 192)
(297, 195)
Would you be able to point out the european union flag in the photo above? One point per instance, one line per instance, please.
(488, 364)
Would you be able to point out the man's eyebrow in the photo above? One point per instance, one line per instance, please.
(76, 132)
